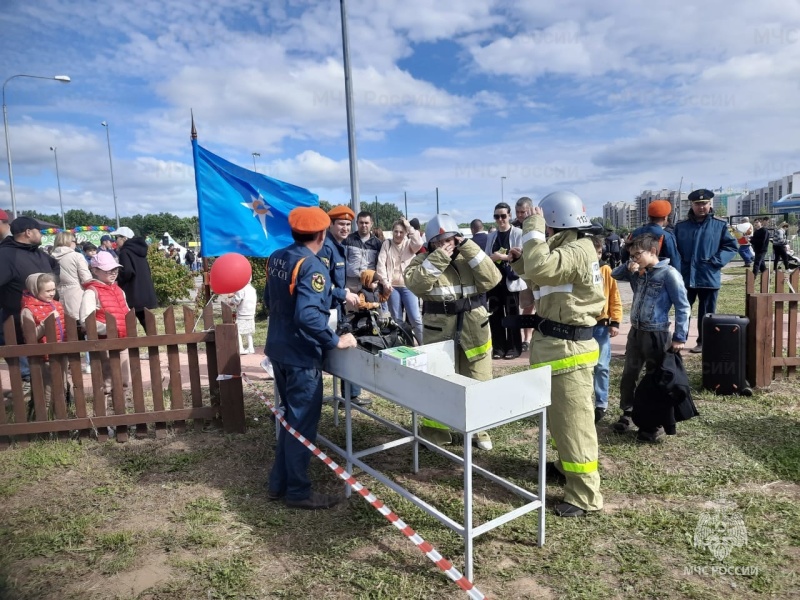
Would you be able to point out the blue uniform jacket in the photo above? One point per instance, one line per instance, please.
(298, 322)
(669, 247)
(332, 256)
(705, 247)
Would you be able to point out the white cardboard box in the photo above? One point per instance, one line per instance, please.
(408, 357)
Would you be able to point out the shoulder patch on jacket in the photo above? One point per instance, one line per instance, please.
(317, 282)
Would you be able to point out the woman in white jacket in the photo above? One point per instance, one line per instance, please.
(395, 255)
(74, 271)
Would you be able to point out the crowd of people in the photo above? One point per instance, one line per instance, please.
(110, 280)
(543, 283)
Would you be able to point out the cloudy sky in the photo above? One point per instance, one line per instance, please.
(604, 99)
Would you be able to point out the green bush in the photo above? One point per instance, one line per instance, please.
(172, 281)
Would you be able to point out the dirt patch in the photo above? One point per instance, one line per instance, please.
(617, 502)
(152, 572)
(528, 587)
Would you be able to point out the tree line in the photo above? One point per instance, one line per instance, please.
(153, 225)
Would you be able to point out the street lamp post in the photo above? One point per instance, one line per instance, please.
(58, 179)
(502, 193)
(111, 166)
(254, 160)
(61, 78)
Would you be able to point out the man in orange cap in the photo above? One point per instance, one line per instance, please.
(299, 291)
(658, 212)
(334, 257)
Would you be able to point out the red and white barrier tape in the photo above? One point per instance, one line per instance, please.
(429, 551)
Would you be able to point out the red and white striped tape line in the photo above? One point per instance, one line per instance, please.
(426, 548)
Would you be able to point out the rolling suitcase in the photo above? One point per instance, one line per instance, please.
(725, 354)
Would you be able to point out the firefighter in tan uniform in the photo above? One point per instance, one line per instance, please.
(567, 288)
(451, 279)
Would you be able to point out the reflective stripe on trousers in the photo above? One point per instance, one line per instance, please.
(587, 359)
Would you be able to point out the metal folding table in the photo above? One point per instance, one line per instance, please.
(463, 404)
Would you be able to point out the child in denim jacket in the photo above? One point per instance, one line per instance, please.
(657, 287)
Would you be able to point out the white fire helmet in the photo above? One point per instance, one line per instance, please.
(564, 210)
(441, 227)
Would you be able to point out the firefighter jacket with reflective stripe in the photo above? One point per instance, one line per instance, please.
(564, 275)
(434, 277)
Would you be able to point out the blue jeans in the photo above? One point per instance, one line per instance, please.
(601, 369)
(404, 298)
(301, 393)
(746, 252)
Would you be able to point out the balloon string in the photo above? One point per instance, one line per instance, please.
(210, 300)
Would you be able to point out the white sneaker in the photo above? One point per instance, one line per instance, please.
(482, 440)
(697, 349)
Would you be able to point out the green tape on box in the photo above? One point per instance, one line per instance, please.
(408, 357)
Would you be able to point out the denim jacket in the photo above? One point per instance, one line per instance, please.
(654, 293)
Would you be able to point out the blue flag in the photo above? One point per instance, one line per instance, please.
(240, 210)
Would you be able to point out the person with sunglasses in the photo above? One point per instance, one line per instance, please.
(504, 297)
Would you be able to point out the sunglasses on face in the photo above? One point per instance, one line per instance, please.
(636, 255)
(501, 217)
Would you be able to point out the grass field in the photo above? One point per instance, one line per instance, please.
(186, 517)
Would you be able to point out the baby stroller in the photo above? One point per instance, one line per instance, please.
(376, 331)
(793, 261)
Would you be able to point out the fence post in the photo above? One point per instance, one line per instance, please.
(231, 395)
(759, 341)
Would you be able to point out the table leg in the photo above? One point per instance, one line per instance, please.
(468, 506)
(348, 432)
(542, 466)
(415, 445)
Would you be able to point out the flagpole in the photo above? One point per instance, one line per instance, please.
(351, 121)
(206, 279)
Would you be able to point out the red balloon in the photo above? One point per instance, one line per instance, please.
(230, 273)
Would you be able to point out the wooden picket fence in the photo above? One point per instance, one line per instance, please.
(772, 332)
(87, 412)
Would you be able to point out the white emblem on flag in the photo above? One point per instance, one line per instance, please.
(260, 211)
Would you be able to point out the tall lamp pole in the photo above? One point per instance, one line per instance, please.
(254, 160)
(58, 179)
(61, 78)
(355, 197)
(111, 166)
(502, 193)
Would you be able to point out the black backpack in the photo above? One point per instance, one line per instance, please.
(375, 332)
